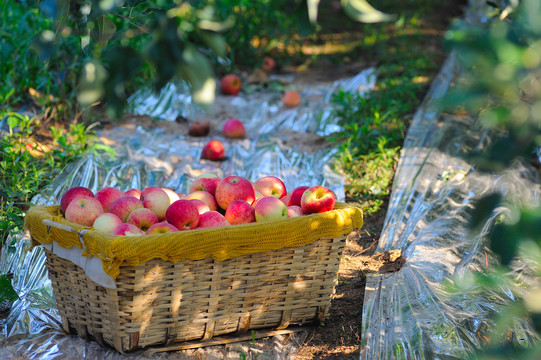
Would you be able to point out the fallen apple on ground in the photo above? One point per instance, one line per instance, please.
(268, 63)
(231, 84)
(213, 150)
(291, 98)
(199, 128)
(234, 129)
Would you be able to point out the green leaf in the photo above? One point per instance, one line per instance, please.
(198, 72)
(215, 42)
(6, 289)
(483, 209)
(106, 30)
(134, 3)
(362, 11)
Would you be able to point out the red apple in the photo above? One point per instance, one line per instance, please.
(231, 84)
(213, 150)
(205, 182)
(212, 219)
(155, 199)
(136, 193)
(107, 195)
(71, 194)
(199, 128)
(268, 63)
(124, 205)
(201, 206)
(270, 208)
(291, 98)
(161, 228)
(83, 210)
(234, 129)
(240, 212)
(271, 186)
(204, 196)
(183, 215)
(173, 196)
(317, 199)
(296, 195)
(143, 218)
(106, 222)
(285, 199)
(234, 188)
(294, 211)
(127, 230)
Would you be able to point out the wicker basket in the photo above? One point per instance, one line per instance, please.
(160, 303)
(279, 279)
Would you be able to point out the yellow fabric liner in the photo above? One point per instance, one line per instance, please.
(218, 243)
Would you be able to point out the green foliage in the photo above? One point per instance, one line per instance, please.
(26, 166)
(502, 63)
(23, 71)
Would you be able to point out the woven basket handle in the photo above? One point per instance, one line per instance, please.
(58, 225)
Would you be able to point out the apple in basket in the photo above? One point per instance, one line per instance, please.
(136, 193)
(205, 182)
(212, 219)
(204, 196)
(271, 186)
(201, 206)
(234, 129)
(182, 214)
(71, 194)
(106, 222)
(155, 199)
(317, 199)
(143, 218)
(107, 195)
(124, 205)
(173, 196)
(240, 212)
(83, 210)
(234, 188)
(127, 230)
(270, 208)
(294, 211)
(161, 228)
(296, 195)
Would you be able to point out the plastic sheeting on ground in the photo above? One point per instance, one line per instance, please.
(159, 157)
(412, 313)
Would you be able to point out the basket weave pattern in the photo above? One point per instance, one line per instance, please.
(160, 303)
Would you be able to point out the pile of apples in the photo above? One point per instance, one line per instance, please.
(211, 202)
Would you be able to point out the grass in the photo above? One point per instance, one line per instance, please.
(28, 165)
(407, 54)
